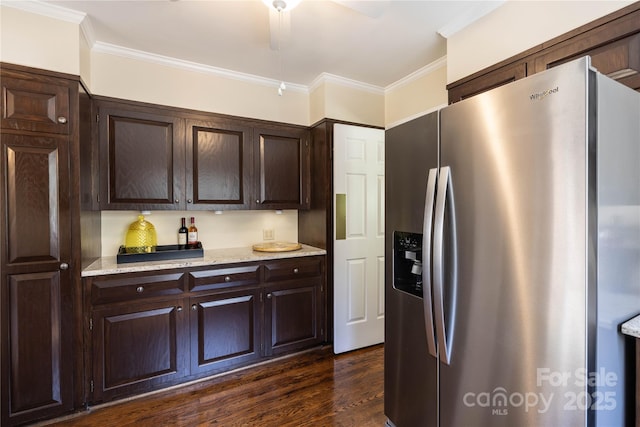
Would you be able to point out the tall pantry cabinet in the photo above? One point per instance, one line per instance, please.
(39, 243)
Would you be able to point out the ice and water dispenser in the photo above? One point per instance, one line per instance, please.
(407, 262)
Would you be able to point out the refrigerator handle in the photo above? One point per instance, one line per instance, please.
(427, 226)
(444, 327)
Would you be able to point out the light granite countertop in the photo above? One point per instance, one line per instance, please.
(632, 327)
(108, 264)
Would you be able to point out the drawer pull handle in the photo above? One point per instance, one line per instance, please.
(269, 295)
(64, 266)
(296, 271)
(62, 120)
(179, 308)
(177, 200)
(194, 307)
(227, 278)
(139, 289)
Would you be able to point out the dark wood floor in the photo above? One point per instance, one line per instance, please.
(311, 389)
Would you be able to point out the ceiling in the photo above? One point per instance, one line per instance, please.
(372, 42)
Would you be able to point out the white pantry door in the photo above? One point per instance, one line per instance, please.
(358, 281)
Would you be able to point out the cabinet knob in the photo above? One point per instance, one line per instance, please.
(269, 295)
(64, 266)
(140, 289)
(227, 278)
(62, 120)
(177, 200)
(296, 271)
(257, 201)
(189, 200)
(179, 308)
(194, 307)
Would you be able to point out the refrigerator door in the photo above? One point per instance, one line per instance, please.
(518, 162)
(410, 383)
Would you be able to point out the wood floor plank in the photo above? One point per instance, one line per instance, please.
(313, 389)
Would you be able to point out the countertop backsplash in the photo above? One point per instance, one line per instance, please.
(216, 231)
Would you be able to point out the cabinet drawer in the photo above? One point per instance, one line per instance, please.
(292, 269)
(224, 277)
(110, 289)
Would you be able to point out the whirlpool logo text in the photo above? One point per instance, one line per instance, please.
(542, 95)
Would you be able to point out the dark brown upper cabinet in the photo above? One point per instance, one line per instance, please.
(141, 158)
(38, 260)
(613, 42)
(219, 169)
(31, 104)
(159, 158)
(282, 164)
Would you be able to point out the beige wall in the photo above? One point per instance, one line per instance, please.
(419, 94)
(230, 230)
(517, 26)
(185, 87)
(38, 41)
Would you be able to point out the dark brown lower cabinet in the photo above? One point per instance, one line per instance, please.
(138, 348)
(40, 373)
(154, 329)
(293, 316)
(225, 330)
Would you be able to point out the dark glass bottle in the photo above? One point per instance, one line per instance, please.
(182, 235)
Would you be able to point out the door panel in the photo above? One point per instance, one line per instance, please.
(410, 386)
(37, 190)
(359, 237)
(519, 168)
(39, 343)
(282, 162)
(224, 329)
(292, 315)
(219, 169)
(35, 105)
(156, 333)
(39, 372)
(141, 159)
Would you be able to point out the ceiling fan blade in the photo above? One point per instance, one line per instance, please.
(279, 28)
(372, 9)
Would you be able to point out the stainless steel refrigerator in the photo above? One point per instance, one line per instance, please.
(513, 255)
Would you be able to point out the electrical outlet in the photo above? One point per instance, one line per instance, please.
(267, 234)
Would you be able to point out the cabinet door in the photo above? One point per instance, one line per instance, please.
(225, 330)
(293, 316)
(619, 60)
(36, 284)
(502, 76)
(282, 164)
(138, 347)
(218, 170)
(34, 103)
(141, 158)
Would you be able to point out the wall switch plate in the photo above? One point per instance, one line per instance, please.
(267, 234)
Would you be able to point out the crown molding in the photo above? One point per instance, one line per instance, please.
(47, 9)
(427, 69)
(125, 52)
(343, 81)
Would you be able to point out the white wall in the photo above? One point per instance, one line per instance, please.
(515, 27)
